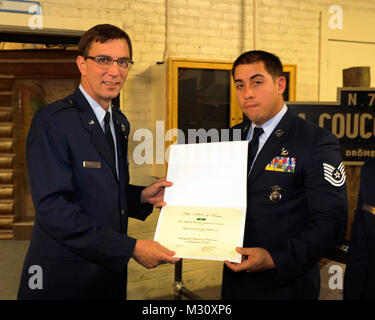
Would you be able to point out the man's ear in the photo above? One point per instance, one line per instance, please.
(281, 85)
(81, 64)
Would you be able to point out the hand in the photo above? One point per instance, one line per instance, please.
(154, 193)
(150, 254)
(253, 260)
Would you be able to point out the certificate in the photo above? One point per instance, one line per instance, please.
(206, 207)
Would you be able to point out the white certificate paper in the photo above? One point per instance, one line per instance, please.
(206, 207)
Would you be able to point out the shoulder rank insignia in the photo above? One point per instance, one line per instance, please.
(282, 164)
(335, 176)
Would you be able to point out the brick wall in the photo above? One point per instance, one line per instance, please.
(203, 29)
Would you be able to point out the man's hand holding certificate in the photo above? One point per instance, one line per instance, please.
(206, 207)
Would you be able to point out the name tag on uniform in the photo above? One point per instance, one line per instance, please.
(282, 164)
(91, 164)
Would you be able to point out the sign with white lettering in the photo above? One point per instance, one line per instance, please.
(18, 6)
(351, 120)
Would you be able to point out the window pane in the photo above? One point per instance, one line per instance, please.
(203, 100)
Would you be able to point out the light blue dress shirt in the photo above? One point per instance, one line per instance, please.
(268, 128)
(100, 114)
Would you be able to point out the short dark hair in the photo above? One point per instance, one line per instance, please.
(271, 62)
(102, 33)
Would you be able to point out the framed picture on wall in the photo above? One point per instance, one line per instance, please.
(203, 90)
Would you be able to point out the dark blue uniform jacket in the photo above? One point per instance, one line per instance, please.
(297, 214)
(81, 208)
(359, 281)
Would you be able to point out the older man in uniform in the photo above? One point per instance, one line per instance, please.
(79, 179)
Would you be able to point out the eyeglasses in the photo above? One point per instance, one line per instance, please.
(108, 61)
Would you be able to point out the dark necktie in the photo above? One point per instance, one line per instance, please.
(253, 146)
(108, 133)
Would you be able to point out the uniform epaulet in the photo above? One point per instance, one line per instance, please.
(62, 104)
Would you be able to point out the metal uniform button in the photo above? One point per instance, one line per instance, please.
(122, 211)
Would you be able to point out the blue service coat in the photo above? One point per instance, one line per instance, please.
(359, 280)
(81, 208)
(297, 214)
